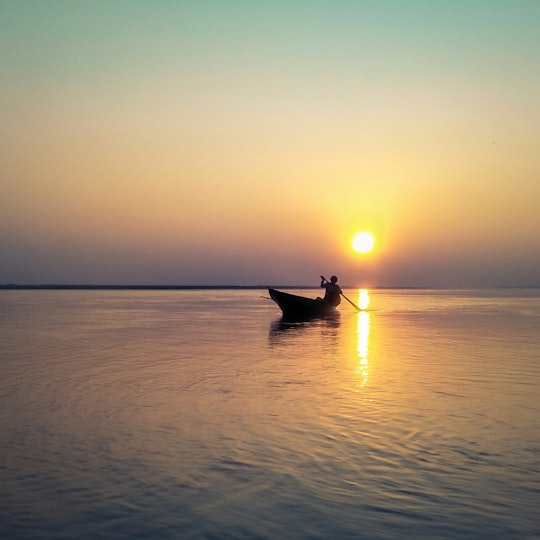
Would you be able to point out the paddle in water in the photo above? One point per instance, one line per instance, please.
(350, 301)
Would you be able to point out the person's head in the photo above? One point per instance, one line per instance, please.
(333, 279)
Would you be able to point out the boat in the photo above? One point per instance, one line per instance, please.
(296, 307)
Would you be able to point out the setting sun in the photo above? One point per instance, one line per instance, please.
(363, 242)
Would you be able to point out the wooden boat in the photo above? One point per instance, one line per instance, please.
(299, 307)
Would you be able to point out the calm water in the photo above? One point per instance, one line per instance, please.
(195, 414)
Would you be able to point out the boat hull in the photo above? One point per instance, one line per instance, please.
(296, 307)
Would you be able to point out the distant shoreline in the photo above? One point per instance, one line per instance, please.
(10, 286)
(80, 287)
(60, 287)
(132, 287)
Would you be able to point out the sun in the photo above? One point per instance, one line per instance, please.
(363, 242)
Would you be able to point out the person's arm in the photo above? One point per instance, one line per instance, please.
(322, 281)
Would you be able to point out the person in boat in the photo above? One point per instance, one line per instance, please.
(333, 290)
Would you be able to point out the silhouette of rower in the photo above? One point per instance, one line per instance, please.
(333, 290)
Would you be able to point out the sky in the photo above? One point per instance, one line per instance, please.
(245, 142)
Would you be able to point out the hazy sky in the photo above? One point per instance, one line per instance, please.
(245, 142)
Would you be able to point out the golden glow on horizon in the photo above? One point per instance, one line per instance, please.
(363, 242)
(363, 299)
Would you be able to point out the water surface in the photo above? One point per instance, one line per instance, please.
(198, 414)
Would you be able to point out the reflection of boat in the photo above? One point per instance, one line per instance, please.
(286, 331)
(299, 307)
(298, 325)
(281, 327)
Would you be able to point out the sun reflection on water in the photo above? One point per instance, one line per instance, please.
(362, 336)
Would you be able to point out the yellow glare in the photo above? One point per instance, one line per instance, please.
(363, 299)
(362, 333)
(363, 242)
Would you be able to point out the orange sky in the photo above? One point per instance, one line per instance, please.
(246, 144)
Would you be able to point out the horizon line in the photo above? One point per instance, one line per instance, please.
(82, 286)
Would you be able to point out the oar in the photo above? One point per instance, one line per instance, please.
(350, 301)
